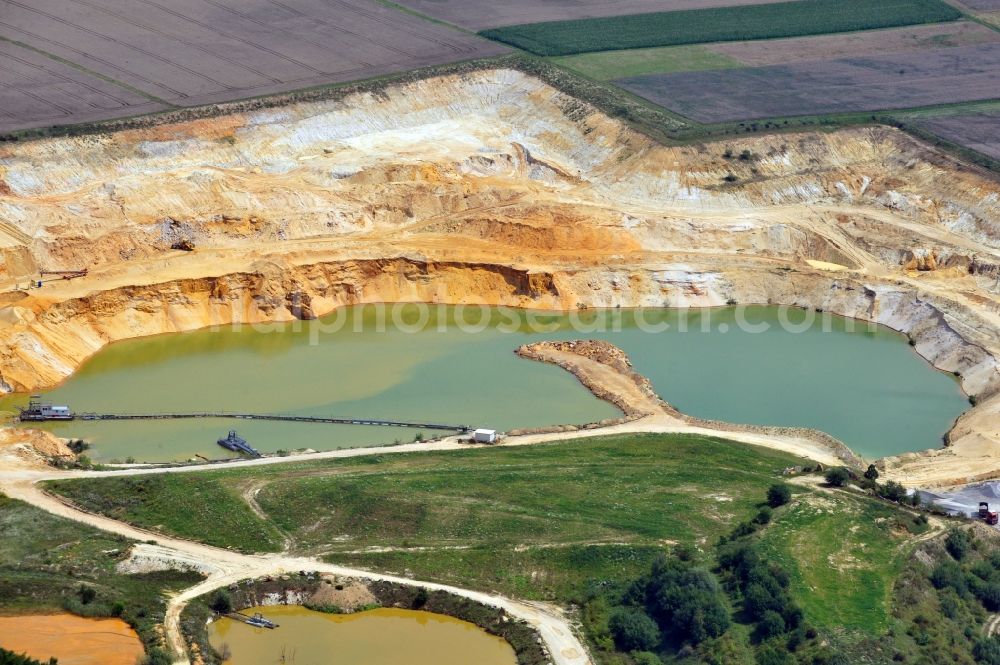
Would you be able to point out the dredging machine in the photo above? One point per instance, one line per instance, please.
(39, 411)
(238, 444)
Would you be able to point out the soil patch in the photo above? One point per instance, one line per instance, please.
(937, 76)
(71, 639)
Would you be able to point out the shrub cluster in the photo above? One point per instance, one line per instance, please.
(763, 587)
(987, 651)
(686, 602)
(11, 658)
(681, 610)
(979, 580)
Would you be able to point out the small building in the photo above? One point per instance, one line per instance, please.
(485, 436)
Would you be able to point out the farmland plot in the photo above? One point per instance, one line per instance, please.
(608, 65)
(37, 91)
(978, 131)
(982, 5)
(768, 21)
(481, 14)
(190, 52)
(938, 76)
(857, 44)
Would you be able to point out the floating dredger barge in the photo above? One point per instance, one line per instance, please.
(38, 411)
(238, 444)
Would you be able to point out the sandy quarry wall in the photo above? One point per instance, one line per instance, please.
(434, 147)
(494, 188)
(49, 343)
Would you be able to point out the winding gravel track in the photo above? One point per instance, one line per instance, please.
(228, 567)
(992, 626)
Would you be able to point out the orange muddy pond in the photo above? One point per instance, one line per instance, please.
(376, 637)
(71, 639)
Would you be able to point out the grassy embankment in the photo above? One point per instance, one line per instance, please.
(738, 23)
(565, 522)
(51, 564)
(534, 521)
(827, 540)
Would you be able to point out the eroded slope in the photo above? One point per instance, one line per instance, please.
(494, 188)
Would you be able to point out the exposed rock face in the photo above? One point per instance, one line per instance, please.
(488, 188)
(32, 447)
(922, 260)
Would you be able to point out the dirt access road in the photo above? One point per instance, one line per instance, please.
(225, 567)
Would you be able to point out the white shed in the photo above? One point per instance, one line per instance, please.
(485, 436)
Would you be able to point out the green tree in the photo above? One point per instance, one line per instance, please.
(687, 602)
(989, 595)
(948, 574)
(838, 476)
(758, 600)
(771, 625)
(772, 654)
(11, 658)
(892, 491)
(871, 473)
(157, 656)
(987, 651)
(958, 544)
(222, 602)
(633, 629)
(86, 594)
(778, 495)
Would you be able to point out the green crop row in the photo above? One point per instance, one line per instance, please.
(784, 19)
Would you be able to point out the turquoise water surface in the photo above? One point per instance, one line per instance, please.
(862, 384)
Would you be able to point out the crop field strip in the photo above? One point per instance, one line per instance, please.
(898, 81)
(609, 65)
(482, 14)
(767, 21)
(194, 52)
(920, 38)
(977, 131)
(982, 5)
(36, 90)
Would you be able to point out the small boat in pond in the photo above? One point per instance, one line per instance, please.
(258, 621)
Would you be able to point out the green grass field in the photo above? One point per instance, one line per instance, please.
(786, 19)
(610, 65)
(533, 521)
(843, 557)
(524, 519)
(192, 507)
(547, 522)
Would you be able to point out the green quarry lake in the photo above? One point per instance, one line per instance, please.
(375, 637)
(862, 384)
